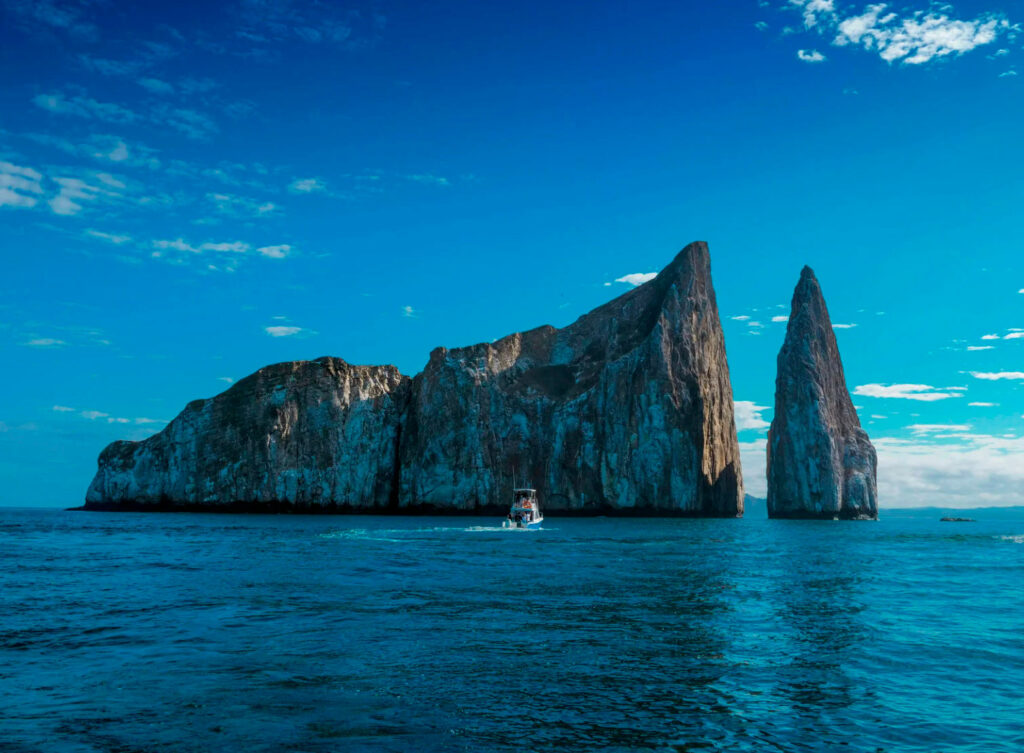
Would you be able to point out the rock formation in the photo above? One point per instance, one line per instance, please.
(821, 463)
(303, 434)
(626, 411)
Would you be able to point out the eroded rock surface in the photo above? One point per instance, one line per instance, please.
(821, 463)
(305, 434)
(628, 410)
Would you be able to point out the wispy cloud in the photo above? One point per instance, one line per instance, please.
(410, 312)
(19, 186)
(938, 428)
(241, 206)
(307, 185)
(156, 86)
(267, 23)
(780, 318)
(96, 415)
(843, 326)
(920, 392)
(75, 192)
(193, 124)
(45, 342)
(84, 107)
(429, 179)
(980, 347)
(116, 239)
(983, 405)
(993, 376)
(279, 330)
(53, 15)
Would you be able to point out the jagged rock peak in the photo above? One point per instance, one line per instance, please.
(821, 463)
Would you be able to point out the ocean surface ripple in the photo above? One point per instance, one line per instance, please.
(164, 632)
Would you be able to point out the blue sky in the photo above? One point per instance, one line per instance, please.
(192, 191)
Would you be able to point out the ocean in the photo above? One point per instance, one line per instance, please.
(200, 632)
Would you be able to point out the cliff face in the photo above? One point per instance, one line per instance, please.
(308, 433)
(821, 463)
(627, 410)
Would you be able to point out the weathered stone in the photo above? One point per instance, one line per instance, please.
(628, 410)
(821, 463)
(301, 434)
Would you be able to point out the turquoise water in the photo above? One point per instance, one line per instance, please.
(162, 632)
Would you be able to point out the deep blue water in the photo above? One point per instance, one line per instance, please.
(162, 632)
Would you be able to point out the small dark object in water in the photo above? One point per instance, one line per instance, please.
(956, 520)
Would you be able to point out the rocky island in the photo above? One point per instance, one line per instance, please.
(821, 463)
(627, 411)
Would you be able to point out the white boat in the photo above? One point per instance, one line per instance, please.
(525, 512)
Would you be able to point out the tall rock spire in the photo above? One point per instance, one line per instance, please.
(821, 463)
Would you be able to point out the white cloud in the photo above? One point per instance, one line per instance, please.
(782, 318)
(921, 392)
(983, 405)
(637, 278)
(19, 186)
(1014, 336)
(990, 337)
(753, 460)
(45, 342)
(117, 240)
(178, 244)
(409, 311)
(974, 471)
(938, 428)
(1007, 74)
(281, 331)
(307, 185)
(810, 56)
(229, 380)
(92, 415)
(748, 415)
(843, 326)
(994, 376)
(275, 252)
(234, 247)
(74, 192)
(980, 347)
(63, 409)
(740, 318)
(241, 206)
(912, 38)
(918, 38)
